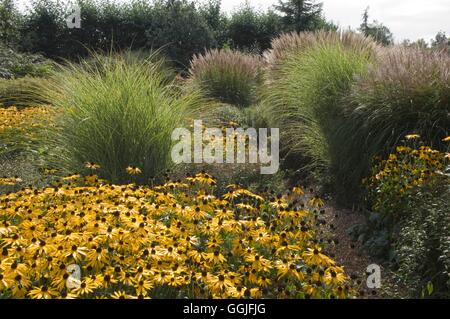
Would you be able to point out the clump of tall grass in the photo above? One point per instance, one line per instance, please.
(308, 98)
(294, 42)
(16, 92)
(286, 44)
(117, 111)
(407, 92)
(228, 76)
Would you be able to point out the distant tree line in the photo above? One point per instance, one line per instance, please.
(180, 27)
(384, 36)
(440, 41)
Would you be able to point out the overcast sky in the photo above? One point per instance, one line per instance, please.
(407, 19)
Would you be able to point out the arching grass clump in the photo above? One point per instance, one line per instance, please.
(407, 92)
(117, 111)
(287, 44)
(228, 76)
(307, 97)
(16, 92)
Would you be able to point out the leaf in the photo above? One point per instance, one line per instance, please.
(430, 288)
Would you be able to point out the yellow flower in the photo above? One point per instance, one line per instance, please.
(92, 165)
(10, 180)
(133, 170)
(71, 177)
(215, 257)
(219, 283)
(412, 136)
(314, 256)
(43, 292)
(297, 190)
(87, 286)
(121, 295)
(447, 139)
(335, 276)
(316, 202)
(133, 241)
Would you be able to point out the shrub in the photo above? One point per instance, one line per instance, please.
(16, 92)
(228, 76)
(307, 97)
(176, 26)
(10, 20)
(407, 91)
(226, 115)
(44, 29)
(410, 191)
(423, 244)
(15, 65)
(117, 111)
(399, 177)
(180, 29)
(249, 29)
(256, 116)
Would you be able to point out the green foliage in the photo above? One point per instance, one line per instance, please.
(252, 30)
(376, 30)
(440, 41)
(423, 245)
(410, 193)
(116, 111)
(180, 27)
(17, 92)
(228, 76)
(175, 25)
(226, 115)
(406, 92)
(14, 64)
(43, 29)
(216, 20)
(307, 97)
(9, 22)
(253, 116)
(300, 15)
(256, 116)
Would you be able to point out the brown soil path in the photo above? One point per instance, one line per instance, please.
(348, 252)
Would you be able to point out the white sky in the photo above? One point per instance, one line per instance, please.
(407, 19)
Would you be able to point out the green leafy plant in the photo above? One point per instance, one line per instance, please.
(399, 178)
(117, 112)
(409, 192)
(406, 92)
(14, 64)
(16, 92)
(307, 94)
(228, 76)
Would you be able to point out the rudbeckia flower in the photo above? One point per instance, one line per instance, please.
(92, 165)
(134, 241)
(133, 170)
(412, 137)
